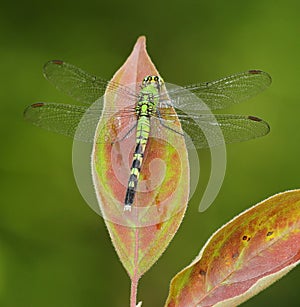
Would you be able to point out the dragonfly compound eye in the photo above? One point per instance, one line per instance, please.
(146, 80)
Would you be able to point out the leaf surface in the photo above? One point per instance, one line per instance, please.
(141, 235)
(244, 257)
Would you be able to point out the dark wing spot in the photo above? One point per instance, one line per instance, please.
(58, 62)
(37, 105)
(269, 233)
(254, 118)
(254, 71)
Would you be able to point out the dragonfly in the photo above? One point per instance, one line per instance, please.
(150, 106)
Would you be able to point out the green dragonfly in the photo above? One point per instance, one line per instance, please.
(150, 106)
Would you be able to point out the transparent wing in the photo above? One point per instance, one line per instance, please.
(208, 130)
(80, 85)
(221, 93)
(65, 118)
(59, 118)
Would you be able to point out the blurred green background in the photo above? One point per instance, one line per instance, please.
(54, 250)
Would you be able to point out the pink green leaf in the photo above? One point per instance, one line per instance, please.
(139, 237)
(244, 257)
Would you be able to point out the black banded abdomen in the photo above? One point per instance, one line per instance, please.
(142, 135)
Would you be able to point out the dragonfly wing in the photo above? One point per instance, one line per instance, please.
(208, 130)
(60, 118)
(221, 93)
(80, 85)
(80, 122)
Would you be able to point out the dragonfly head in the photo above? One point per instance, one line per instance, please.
(153, 80)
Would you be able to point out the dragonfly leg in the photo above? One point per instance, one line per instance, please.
(166, 103)
(164, 125)
(125, 136)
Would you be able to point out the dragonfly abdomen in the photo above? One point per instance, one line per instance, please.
(142, 135)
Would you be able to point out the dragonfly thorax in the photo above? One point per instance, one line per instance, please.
(146, 106)
(149, 96)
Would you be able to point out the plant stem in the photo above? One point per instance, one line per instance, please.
(136, 276)
(133, 293)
